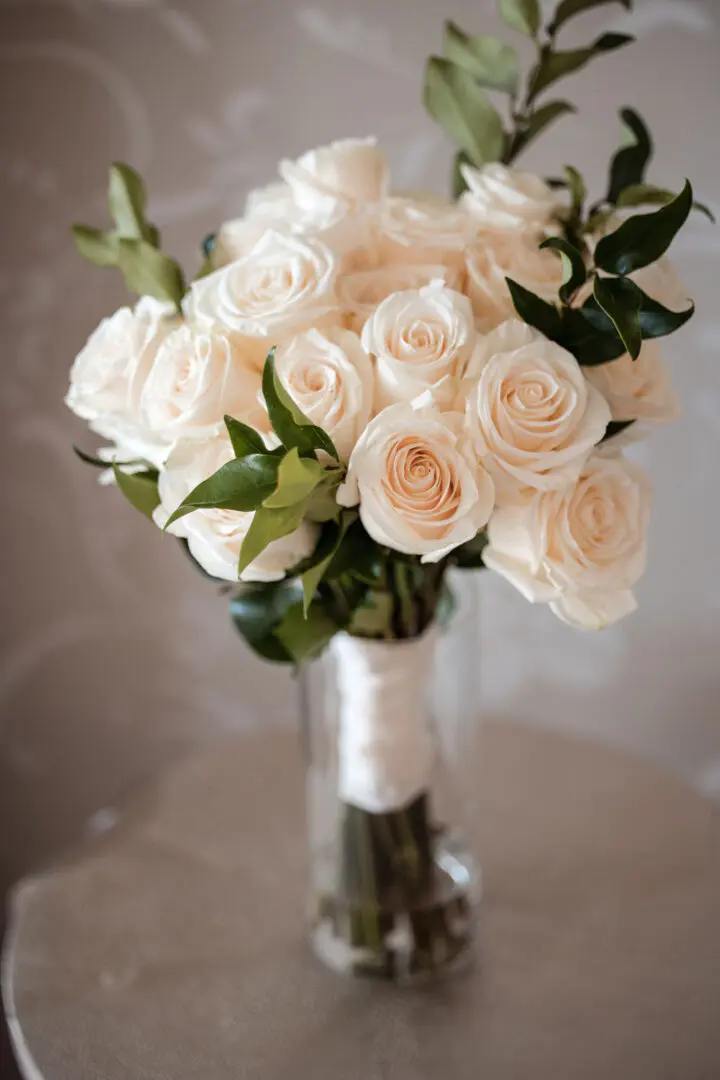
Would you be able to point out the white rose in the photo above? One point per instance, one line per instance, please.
(421, 339)
(501, 198)
(581, 549)
(428, 230)
(199, 375)
(334, 181)
(215, 536)
(237, 238)
(271, 203)
(532, 415)
(285, 284)
(360, 292)
(637, 389)
(420, 489)
(108, 376)
(495, 256)
(330, 377)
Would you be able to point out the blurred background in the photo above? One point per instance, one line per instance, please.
(115, 656)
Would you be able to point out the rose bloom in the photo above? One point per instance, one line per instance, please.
(215, 536)
(360, 293)
(532, 415)
(285, 284)
(330, 378)
(334, 181)
(109, 374)
(421, 339)
(580, 549)
(200, 374)
(495, 256)
(420, 489)
(637, 389)
(501, 198)
(424, 230)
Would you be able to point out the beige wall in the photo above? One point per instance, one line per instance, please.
(114, 656)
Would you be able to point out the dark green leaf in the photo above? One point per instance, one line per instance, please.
(288, 422)
(567, 9)
(469, 555)
(643, 238)
(96, 246)
(534, 311)
(241, 484)
(620, 299)
(330, 541)
(556, 65)
(589, 335)
(649, 195)
(630, 162)
(358, 555)
(150, 273)
(573, 264)
(658, 321)
(258, 609)
(305, 634)
(140, 489)
(127, 199)
(90, 459)
(463, 110)
(615, 427)
(489, 60)
(268, 525)
(458, 183)
(536, 122)
(578, 190)
(521, 15)
(245, 440)
(208, 244)
(372, 617)
(297, 478)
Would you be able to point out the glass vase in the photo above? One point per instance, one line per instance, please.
(391, 729)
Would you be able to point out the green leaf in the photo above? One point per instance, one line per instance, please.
(90, 459)
(245, 440)
(534, 311)
(358, 555)
(573, 264)
(268, 525)
(297, 478)
(521, 15)
(643, 238)
(140, 489)
(258, 609)
(305, 634)
(241, 484)
(469, 555)
(658, 321)
(615, 427)
(373, 616)
(630, 162)
(330, 541)
(489, 60)
(323, 505)
(649, 195)
(127, 199)
(96, 246)
(458, 184)
(577, 188)
(556, 65)
(150, 273)
(620, 299)
(589, 335)
(567, 9)
(536, 122)
(290, 425)
(463, 110)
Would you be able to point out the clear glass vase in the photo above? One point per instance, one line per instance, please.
(391, 729)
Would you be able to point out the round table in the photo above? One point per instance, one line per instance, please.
(173, 947)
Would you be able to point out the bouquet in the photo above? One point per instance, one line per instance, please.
(361, 388)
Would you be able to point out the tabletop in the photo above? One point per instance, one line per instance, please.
(173, 946)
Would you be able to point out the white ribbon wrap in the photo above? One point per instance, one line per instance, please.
(385, 746)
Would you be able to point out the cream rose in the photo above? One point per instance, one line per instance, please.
(330, 377)
(420, 489)
(581, 549)
(109, 374)
(199, 375)
(501, 198)
(496, 256)
(421, 339)
(428, 230)
(285, 284)
(215, 536)
(637, 389)
(531, 413)
(237, 238)
(333, 181)
(360, 293)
